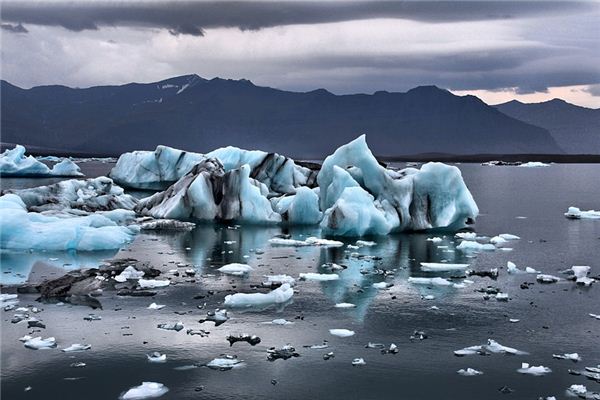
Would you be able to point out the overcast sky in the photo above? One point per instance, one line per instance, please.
(532, 51)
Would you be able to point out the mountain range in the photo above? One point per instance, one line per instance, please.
(199, 115)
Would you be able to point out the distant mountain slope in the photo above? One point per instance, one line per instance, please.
(575, 129)
(198, 114)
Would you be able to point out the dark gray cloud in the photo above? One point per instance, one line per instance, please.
(594, 90)
(194, 17)
(18, 28)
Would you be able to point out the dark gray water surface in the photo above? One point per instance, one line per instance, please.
(553, 318)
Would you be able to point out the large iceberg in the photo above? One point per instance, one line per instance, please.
(355, 196)
(13, 162)
(23, 230)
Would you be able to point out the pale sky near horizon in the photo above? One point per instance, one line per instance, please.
(498, 51)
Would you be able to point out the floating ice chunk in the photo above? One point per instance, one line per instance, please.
(153, 283)
(38, 343)
(382, 285)
(147, 390)
(280, 295)
(513, 320)
(171, 327)
(497, 240)
(235, 269)
(156, 357)
(434, 239)
(545, 278)
(567, 356)
(25, 338)
(312, 276)
(341, 332)
(13, 162)
(442, 267)
(509, 236)
(358, 362)
(77, 347)
(252, 340)
(217, 316)
(533, 370)
(466, 235)
(470, 245)
(345, 305)
(286, 352)
(597, 316)
(280, 321)
(469, 372)
(129, 273)
(467, 351)
(580, 272)
(8, 299)
(496, 347)
(225, 362)
(502, 296)
(280, 280)
(155, 306)
(166, 225)
(311, 241)
(512, 269)
(301, 208)
(365, 243)
(533, 164)
(437, 281)
(576, 213)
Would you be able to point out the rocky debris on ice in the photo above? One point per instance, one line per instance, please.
(13, 162)
(156, 357)
(23, 230)
(236, 269)
(576, 213)
(77, 347)
(37, 343)
(341, 332)
(355, 196)
(284, 353)
(252, 340)
(177, 326)
(492, 273)
(147, 390)
(217, 316)
(225, 363)
(533, 370)
(546, 278)
(280, 295)
(469, 372)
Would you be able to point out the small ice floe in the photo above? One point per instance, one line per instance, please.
(597, 316)
(429, 297)
(155, 306)
(279, 321)
(286, 352)
(497, 240)
(92, 317)
(466, 235)
(513, 320)
(533, 370)
(171, 327)
(328, 356)
(252, 340)
(509, 236)
(358, 362)
(25, 338)
(280, 295)
(546, 278)
(8, 299)
(492, 346)
(77, 347)
(382, 285)
(372, 345)
(218, 317)
(333, 267)
(236, 269)
(225, 363)
(437, 281)
(578, 391)
(147, 390)
(129, 273)
(442, 267)
(312, 276)
(156, 357)
(341, 332)
(567, 356)
(153, 283)
(434, 239)
(469, 372)
(576, 213)
(501, 296)
(365, 243)
(166, 225)
(580, 274)
(473, 246)
(393, 349)
(77, 364)
(311, 241)
(37, 343)
(418, 335)
(345, 305)
(279, 280)
(533, 164)
(511, 268)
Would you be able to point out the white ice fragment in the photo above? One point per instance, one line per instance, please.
(434, 239)
(597, 316)
(437, 281)
(365, 243)
(345, 305)
(469, 372)
(38, 343)
(381, 285)
(472, 246)
(225, 362)
(567, 356)
(280, 321)
(156, 357)
(76, 347)
(280, 279)
(509, 236)
(235, 269)
(496, 347)
(577, 390)
(441, 267)
(312, 276)
(533, 370)
(341, 332)
(280, 295)
(13, 162)
(497, 240)
(546, 278)
(358, 362)
(155, 306)
(311, 241)
(502, 296)
(129, 273)
(466, 235)
(153, 283)
(147, 390)
(576, 213)
(533, 164)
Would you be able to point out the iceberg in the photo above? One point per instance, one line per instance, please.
(38, 343)
(13, 162)
(576, 213)
(280, 295)
(147, 390)
(533, 164)
(235, 269)
(22, 230)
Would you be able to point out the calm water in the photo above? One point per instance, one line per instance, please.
(553, 318)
